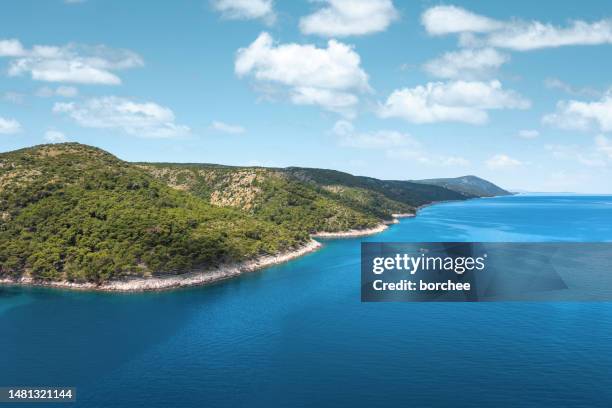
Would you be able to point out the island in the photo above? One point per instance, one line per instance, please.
(75, 216)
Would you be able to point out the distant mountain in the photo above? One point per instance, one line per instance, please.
(71, 212)
(406, 192)
(468, 185)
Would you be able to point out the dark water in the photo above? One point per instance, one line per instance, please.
(296, 335)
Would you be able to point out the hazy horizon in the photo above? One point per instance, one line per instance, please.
(512, 190)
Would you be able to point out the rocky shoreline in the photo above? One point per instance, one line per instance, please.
(205, 277)
(363, 232)
(157, 283)
(403, 215)
(352, 233)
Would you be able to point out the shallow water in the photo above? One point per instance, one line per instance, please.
(297, 334)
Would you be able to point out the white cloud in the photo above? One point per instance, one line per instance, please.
(455, 101)
(63, 91)
(227, 128)
(528, 133)
(143, 119)
(334, 101)
(381, 139)
(341, 18)
(246, 9)
(329, 77)
(578, 115)
(524, 36)
(63, 71)
(441, 20)
(70, 63)
(513, 34)
(9, 126)
(55, 136)
(11, 48)
(502, 161)
(467, 64)
(334, 67)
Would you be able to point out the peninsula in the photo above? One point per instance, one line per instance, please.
(75, 216)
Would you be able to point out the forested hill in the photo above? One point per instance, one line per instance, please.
(469, 185)
(413, 193)
(75, 212)
(308, 199)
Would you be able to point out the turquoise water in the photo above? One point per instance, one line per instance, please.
(296, 335)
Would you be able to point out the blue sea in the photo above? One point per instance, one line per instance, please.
(297, 335)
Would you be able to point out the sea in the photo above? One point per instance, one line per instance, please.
(298, 335)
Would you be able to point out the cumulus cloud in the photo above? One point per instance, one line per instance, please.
(455, 101)
(11, 48)
(71, 63)
(9, 126)
(524, 36)
(513, 34)
(502, 161)
(528, 133)
(246, 9)
(467, 64)
(143, 119)
(579, 115)
(341, 18)
(440, 20)
(328, 77)
(55, 136)
(227, 128)
(334, 67)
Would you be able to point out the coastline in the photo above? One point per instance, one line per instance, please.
(205, 277)
(366, 231)
(158, 283)
(352, 233)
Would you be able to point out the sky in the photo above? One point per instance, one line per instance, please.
(519, 93)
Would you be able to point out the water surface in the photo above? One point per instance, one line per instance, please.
(297, 335)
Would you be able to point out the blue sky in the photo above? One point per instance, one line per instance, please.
(516, 92)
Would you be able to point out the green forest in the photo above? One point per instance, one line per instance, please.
(77, 213)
